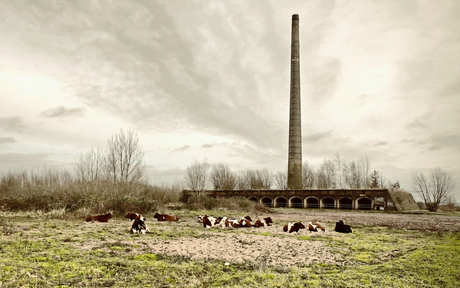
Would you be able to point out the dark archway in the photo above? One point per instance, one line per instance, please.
(296, 202)
(328, 203)
(267, 201)
(364, 204)
(281, 202)
(252, 198)
(345, 203)
(312, 202)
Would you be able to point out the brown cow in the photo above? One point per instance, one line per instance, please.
(165, 217)
(313, 227)
(231, 222)
(293, 227)
(100, 218)
(262, 222)
(133, 216)
(245, 222)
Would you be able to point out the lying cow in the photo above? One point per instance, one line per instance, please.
(210, 221)
(245, 222)
(293, 227)
(231, 223)
(342, 228)
(313, 227)
(134, 216)
(139, 226)
(165, 217)
(201, 217)
(263, 222)
(100, 218)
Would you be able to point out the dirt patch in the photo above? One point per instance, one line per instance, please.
(246, 248)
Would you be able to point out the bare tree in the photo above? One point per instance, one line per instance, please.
(281, 180)
(326, 174)
(196, 176)
(222, 178)
(308, 176)
(363, 164)
(89, 166)
(123, 159)
(255, 179)
(339, 165)
(434, 189)
(356, 174)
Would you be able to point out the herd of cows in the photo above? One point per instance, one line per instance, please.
(140, 227)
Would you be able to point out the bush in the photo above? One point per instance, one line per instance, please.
(206, 202)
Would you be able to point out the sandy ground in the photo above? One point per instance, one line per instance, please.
(274, 247)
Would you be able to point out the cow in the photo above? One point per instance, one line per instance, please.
(232, 222)
(262, 222)
(245, 222)
(139, 226)
(164, 217)
(313, 227)
(293, 227)
(200, 218)
(210, 221)
(342, 228)
(100, 218)
(135, 216)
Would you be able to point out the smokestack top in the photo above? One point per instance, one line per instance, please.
(295, 17)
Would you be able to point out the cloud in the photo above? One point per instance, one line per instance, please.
(381, 143)
(61, 112)
(183, 148)
(6, 140)
(315, 137)
(14, 124)
(451, 90)
(207, 146)
(440, 141)
(26, 159)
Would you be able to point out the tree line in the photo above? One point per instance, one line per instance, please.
(331, 174)
(118, 170)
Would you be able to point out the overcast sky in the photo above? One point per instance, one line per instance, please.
(209, 80)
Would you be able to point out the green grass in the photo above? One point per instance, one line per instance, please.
(51, 253)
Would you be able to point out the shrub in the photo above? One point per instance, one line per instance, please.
(206, 202)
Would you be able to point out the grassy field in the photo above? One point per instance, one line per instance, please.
(56, 250)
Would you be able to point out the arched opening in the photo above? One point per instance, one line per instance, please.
(364, 204)
(345, 203)
(252, 198)
(312, 202)
(267, 201)
(280, 202)
(296, 202)
(328, 203)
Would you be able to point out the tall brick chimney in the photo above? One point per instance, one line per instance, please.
(295, 129)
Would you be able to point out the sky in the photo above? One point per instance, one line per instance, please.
(209, 81)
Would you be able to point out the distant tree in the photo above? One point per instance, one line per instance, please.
(435, 188)
(396, 185)
(222, 178)
(255, 179)
(326, 175)
(308, 176)
(356, 173)
(339, 168)
(196, 176)
(124, 158)
(89, 166)
(281, 180)
(375, 179)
